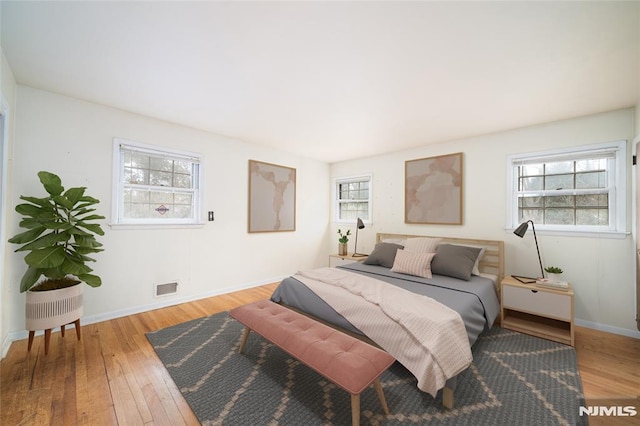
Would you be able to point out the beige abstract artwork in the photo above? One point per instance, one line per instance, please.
(272, 197)
(433, 190)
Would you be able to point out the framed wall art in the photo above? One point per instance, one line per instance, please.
(272, 197)
(433, 190)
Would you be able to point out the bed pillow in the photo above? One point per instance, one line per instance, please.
(422, 244)
(400, 241)
(383, 254)
(411, 263)
(455, 261)
(476, 265)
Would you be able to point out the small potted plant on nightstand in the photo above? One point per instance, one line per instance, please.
(554, 273)
(343, 240)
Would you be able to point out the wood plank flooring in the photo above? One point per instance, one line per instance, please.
(113, 375)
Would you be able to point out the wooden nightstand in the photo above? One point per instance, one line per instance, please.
(539, 311)
(338, 260)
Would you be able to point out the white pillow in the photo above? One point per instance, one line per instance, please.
(411, 263)
(422, 244)
(476, 271)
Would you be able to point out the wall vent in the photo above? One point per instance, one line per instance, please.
(166, 289)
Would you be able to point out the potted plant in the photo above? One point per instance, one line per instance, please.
(554, 273)
(343, 240)
(59, 236)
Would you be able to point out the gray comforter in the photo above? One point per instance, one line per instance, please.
(475, 300)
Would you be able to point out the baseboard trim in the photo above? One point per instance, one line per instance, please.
(607, 328)
(19, 335)
(23, 334)
(6, 344)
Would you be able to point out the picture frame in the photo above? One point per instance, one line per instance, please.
(272, 198)
(434, 190)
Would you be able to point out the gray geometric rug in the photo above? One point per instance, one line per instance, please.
(515, 379)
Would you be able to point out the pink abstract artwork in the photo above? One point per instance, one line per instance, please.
(433, 190)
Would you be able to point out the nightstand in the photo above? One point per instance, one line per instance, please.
(339, 260)
(538, 311)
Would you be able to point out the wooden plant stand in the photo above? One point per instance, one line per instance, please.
(47, 335)
(46, 310)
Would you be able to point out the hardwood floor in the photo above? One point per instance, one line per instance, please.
(113, 375)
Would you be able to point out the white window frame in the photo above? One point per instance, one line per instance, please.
(117, 207)
(617, 189)
(336, 201)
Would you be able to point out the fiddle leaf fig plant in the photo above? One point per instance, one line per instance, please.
(59, 236)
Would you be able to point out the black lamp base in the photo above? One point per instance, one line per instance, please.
(359, 255)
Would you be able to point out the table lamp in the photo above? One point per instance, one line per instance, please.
(360, 225)
(520, 231)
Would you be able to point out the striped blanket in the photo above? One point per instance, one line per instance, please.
(427, 337)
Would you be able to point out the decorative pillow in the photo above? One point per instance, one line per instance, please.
(422, 244)
(411, 263)
(455, 261)
(400, 241)
(383, 254)
(476, 266)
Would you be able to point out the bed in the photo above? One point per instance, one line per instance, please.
(464, 278)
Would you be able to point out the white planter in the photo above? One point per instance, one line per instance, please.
(54, 308)
(554, 277)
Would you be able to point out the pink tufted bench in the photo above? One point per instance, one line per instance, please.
(346, 361)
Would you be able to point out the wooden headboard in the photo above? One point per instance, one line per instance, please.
(491, 263)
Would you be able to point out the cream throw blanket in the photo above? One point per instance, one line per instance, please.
(427, 337)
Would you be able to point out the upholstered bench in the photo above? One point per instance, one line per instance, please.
(346, 361)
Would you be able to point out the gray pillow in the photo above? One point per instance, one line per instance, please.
(455, 261)
(383, 254)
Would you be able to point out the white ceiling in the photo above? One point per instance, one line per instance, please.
(333, 80)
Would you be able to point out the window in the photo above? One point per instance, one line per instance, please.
(155, 186)
(353, 199)
(574, 190)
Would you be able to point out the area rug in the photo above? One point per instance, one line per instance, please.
(514, 379)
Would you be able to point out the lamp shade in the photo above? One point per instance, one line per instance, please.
(521, 230)
(359, 225)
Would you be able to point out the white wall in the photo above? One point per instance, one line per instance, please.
(637, 126)
(601, 269)
(73, 139)
(7, 102)
(634, 187)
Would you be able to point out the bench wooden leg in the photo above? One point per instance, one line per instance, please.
(355, 410)
(380, 392)
(245, 336)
